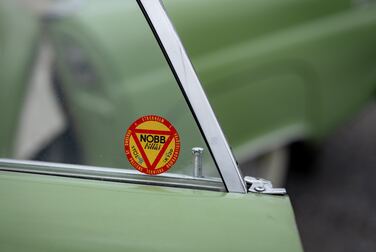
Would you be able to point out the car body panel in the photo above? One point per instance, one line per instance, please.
(47, 213)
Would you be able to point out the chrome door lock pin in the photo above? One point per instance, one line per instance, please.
(197, 162)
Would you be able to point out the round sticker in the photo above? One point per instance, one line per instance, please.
(152, 144)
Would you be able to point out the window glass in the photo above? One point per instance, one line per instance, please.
(79, 80)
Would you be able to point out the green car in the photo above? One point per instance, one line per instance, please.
(174, 184)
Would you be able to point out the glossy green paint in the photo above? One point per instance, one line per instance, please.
(18, 39)
(304, 66)
(46, 213)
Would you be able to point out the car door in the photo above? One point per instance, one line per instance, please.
(168, 182)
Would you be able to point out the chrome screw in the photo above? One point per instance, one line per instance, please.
(260, 188)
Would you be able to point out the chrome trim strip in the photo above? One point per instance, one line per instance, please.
(190, 85)
(110, 174)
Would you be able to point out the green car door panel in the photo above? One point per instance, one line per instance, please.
(47, 213)
(300, 67)
(274, 71)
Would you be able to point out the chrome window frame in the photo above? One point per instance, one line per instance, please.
(194, 94)
(110, 174)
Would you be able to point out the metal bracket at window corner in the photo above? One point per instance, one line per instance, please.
(263, 186)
